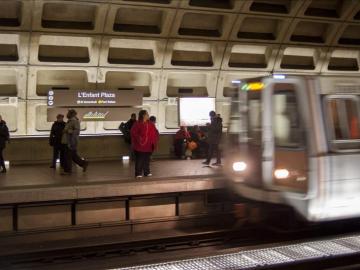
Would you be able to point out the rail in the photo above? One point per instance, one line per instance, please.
(281, 255)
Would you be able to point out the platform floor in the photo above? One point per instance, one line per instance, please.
(103, 179)
(24, 176)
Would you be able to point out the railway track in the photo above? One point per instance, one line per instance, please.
(139, 251)
(125, 248)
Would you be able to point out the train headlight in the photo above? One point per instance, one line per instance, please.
(281, 173)
(239, 166)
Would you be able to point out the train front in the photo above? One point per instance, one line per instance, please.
(249, 156)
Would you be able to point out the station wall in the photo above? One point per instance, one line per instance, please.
(166, 48)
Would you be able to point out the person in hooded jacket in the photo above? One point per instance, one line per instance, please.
(214, 138)
(70, 139)
(144, 138)
(4, 137)
(55, 140)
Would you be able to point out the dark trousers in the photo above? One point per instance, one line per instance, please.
(71, 155)
(202, 150)
(58, 152)
(2, 161)
(179, 148)
(214, 148)
(142, 163)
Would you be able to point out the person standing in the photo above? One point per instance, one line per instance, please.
(144, 138)
(131, 121)
(126, 127)
(4, 137)
(71, 139)
(55, 140)
(152, 119)
(214, 138)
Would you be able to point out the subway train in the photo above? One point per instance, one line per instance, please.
(295, 140)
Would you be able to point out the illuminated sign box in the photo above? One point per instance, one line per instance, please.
(94, 98)
(94, 105)
(195, 111)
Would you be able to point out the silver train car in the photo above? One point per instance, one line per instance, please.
(295, 140)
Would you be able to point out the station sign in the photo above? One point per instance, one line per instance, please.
(94, 105)
(94, 114)
(94, 98)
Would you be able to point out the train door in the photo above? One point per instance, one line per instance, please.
(285, 159)
(342, 113)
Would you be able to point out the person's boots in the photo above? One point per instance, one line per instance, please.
(3, 169)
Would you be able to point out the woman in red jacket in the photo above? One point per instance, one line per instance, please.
(144, 138)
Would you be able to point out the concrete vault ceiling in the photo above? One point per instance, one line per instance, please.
(166, 48)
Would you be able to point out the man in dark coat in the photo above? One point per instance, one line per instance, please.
(214, 138)
(55, 140)
(70, 139)
(4, 137)
(125, 128)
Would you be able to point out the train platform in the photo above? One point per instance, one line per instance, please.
(36, 197)
(34, 183)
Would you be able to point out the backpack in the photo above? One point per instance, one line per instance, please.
(126, 132)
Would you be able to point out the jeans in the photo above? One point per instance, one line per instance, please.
(142, 163)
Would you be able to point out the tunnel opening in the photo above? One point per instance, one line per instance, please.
(222, 4)
(186, 58)
(68, 16)
(357, 15)
(8, 89)
(350, 36)
(185, 91)
(325, 8)
(312, 32)
(259, 28)
(187, 84)
(199, 24)
(176, 91)
(192, 54)
(63, 54)
(61, 80)
(9, 52)
(271, 6)
(133, 20)
(8, 83)
(343, 64)
(128, 56)
(247, 60)
(163, 2)
(10, 13)
(122, 80)
(297, 62)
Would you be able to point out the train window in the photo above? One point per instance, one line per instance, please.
(250, 122)
(254, 117)
(343, 122)
(286, 122)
